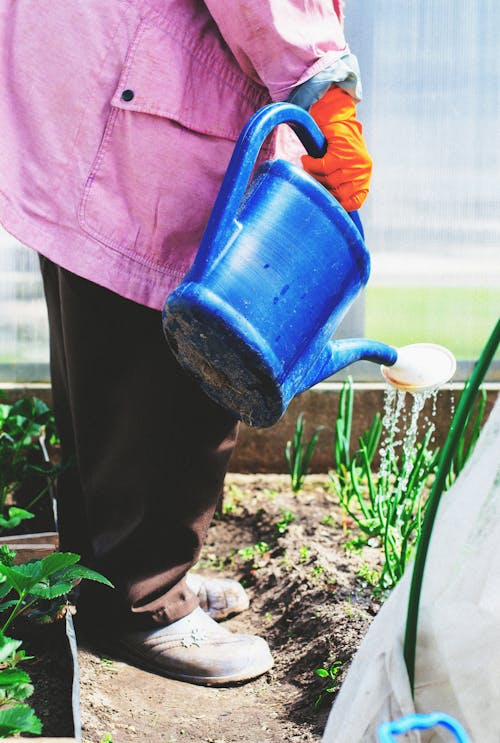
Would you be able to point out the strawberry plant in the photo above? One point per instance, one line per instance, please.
(37, 589)
(25, 426)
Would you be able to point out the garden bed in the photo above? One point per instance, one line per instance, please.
(311, 598)
(307, 600)
(51, 672)
(52, 668)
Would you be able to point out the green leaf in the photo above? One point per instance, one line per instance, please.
(4, 412)
(321, 672)
(80, 571)
(7, 605)
(8, 647)
(15, 516)
(19, 718)
(57, 561)
(45, 590)
(22, 577)
(7, 555)
(16, 683)
(31, 408)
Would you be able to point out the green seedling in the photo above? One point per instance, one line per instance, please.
(304, 553)
(230, 501)
(370, 575)
(287, 518)
(254, 553)
(270, 493)
(108, 664)
(317, 571)
(298, 454)
(348, 608)
(328, 520)
(343, 428)
(331, 685)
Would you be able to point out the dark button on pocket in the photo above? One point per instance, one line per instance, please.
(127, 95)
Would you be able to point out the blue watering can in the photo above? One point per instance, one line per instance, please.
(279, 264)
(387, 730)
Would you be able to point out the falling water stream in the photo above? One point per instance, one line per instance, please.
(400, 430)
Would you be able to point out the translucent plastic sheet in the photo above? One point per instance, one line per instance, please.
(458, 643)
(24, 344)
(431, 117)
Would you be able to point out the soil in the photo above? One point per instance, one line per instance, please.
(307, 600)
(51, 673)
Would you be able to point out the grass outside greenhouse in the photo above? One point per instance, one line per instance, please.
(460, 318)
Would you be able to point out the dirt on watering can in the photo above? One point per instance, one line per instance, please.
(307, 600)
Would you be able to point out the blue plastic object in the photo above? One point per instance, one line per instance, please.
(279, 264)
(387, 730)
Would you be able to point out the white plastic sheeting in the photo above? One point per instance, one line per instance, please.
(458, 642)
(431, 115)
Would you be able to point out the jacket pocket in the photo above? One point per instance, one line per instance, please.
(179, 106)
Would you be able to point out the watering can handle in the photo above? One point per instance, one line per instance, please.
(242, 163)
(387, 730)
(357, 221)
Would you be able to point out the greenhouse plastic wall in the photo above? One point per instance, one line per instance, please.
(24, 338)
(431, 116)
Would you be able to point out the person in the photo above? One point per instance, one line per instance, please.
(118, 120)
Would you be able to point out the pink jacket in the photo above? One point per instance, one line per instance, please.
(118, 119)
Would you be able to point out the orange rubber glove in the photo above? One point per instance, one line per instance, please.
(346, 167)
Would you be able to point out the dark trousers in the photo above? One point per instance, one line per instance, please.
(148, 451)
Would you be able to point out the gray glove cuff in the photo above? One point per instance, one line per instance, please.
(344, 73)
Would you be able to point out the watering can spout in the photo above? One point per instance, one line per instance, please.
(338, 354)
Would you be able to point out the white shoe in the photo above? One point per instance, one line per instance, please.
(219, 597)
(198, 650)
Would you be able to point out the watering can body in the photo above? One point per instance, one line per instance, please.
(278, 267)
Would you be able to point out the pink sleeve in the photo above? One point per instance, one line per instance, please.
(281, 43)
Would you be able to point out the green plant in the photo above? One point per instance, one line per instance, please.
(254, 553)
(298, 454)
(332, 683)
(16, 717)
(37, 588)
(304, 550)
(370, 575)
(343, 427)
(24, 428)
(287, 518)
(229, 502)
(388, 504)
(24, 588)
(328, 520)
(317, 571)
